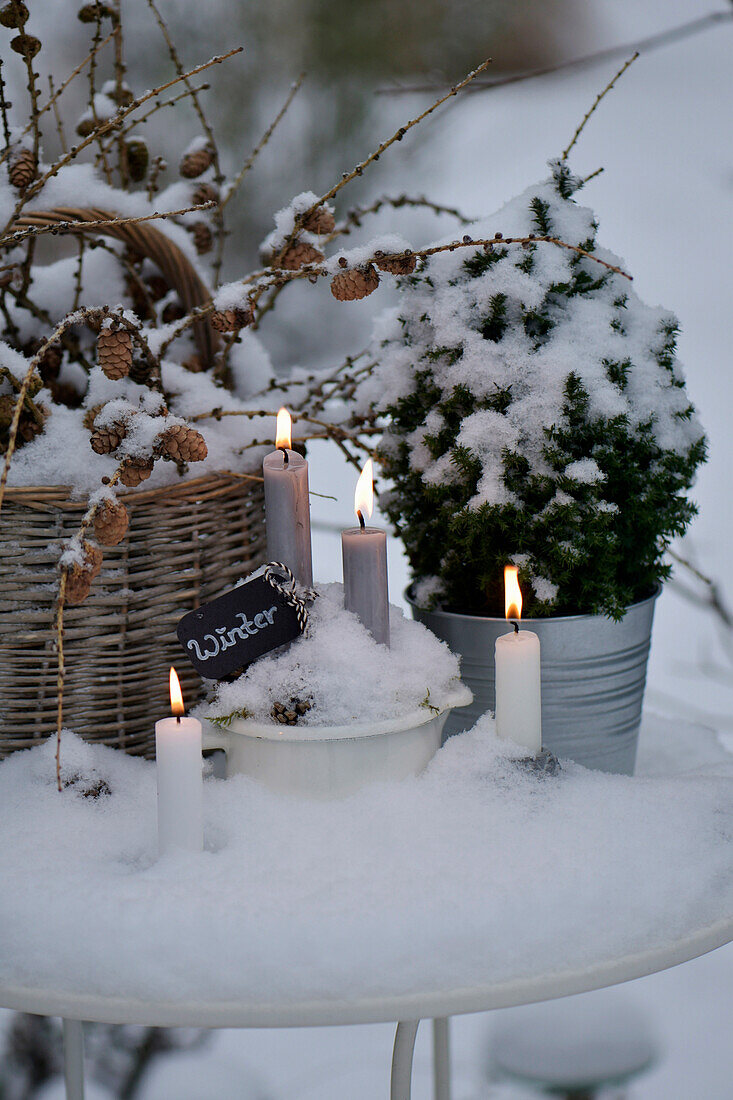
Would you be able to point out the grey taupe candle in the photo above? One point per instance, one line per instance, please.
(287, 505)
(364, 552)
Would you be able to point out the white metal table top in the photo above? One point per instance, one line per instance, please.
(268, 1007)
(357, 1010)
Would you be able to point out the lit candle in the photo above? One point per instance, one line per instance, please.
(180, 778)
(287, 505)
(518, 711)
(364, 551)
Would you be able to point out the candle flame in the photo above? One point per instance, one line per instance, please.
(364, 495)
(512, 593)
(283, 430)
(176, 693)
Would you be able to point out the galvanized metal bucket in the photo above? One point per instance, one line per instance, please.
(593, 678)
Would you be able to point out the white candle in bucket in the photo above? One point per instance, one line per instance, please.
(364, 551)
(287, 505)
(518, 698)
(180, 778)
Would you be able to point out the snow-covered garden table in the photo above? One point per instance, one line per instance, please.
(471, 888)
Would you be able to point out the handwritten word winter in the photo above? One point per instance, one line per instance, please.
(228, 636)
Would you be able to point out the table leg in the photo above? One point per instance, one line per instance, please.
(441, 1059)
(404, 1048)
(74, 1059)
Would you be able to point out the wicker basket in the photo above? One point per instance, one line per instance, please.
(186, 544)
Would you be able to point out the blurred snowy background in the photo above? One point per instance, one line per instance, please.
(664, 139)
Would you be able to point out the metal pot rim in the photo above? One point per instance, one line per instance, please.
(525, 622)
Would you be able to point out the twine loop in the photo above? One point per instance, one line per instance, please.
(286, 585)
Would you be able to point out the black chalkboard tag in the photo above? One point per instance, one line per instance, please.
(232, 631)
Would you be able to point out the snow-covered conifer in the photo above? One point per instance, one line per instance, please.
(537, 415)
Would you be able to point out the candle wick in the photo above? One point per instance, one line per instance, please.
(286, 457)
(178, 719)
(515, 624)
(361, 519)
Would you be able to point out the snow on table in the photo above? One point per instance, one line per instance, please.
(476, 872)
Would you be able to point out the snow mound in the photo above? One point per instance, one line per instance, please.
(332, 667)
(474, 873)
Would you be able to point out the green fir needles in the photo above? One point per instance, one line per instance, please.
(537, 415)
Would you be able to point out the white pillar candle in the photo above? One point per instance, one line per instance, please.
(287, 505)
(180, 778)
(364, 552)
(518, 680)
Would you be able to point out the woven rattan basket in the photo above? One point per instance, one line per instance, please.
(186, 544)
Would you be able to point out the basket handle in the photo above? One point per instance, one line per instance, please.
(174, 265)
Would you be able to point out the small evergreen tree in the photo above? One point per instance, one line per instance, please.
(537, 415)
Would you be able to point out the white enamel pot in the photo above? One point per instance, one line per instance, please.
(333, 761)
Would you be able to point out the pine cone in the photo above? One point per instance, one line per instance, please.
(195, 163)
(26, 45)
(89, 787)
(22, 169)
(139, 300)
(14, 14)
(89, 12)
(205, 192)
(298, 255)
(320, 221)
(396, 265)
(90, 416)
(289, 714)
(122, 94)
(183, 444)
(28, 426)
(85, 126)
(157, 286)
(231, 320)
(106, 440)
(136, 470)
(79, 578)
(50, 363)
(172, 311)
(138, 158)
(7, 409)
(202, 238)
(114, 352)
(111, 521)
(348, 286)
